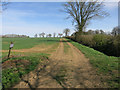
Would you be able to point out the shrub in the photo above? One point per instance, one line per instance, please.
(100, 42)
(107, 44)
(86, 40)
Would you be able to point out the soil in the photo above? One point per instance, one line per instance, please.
(63, 70)
(12, 63)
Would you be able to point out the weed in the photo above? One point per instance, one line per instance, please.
(13, 75)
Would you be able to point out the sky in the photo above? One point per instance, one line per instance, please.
(30, 18)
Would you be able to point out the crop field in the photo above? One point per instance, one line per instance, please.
(35, 62)
(25, 50)
(24, 44)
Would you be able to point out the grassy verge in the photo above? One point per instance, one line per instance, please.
(105, 65)
(23, 65)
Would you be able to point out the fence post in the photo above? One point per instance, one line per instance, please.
(11, 46)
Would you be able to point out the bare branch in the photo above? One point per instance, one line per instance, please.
(3, 5)
(82, 12)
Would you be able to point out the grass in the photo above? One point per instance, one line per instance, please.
(105, 65)
(23, 43)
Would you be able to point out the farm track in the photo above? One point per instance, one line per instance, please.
(63, 70)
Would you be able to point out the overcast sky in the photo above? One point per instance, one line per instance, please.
(30, 18)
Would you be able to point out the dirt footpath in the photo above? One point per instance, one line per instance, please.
(63, 70)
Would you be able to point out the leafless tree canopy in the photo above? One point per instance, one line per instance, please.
(54, 34)
(35, 35)
(66, 31)
(82, 12)
(116, 31)
(60, 34)
(3, 5)
(43, 34)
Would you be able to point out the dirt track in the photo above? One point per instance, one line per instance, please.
(63, 70)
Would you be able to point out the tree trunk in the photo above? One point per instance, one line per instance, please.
(80, 31)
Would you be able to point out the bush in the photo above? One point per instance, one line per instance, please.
(113, 46)
(86, 40)
(107, 44)
(100, 42)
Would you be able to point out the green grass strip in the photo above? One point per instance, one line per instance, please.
(66, 47)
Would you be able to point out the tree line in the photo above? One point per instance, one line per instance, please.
(65, 31)
(108, 43)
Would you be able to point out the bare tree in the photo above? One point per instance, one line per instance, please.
(3, 5)
(60, 34)
(40, 35)
(116, 31)
(54, 34)
(49, 35)
(90, 32)
(96, 31)
(43, 34)
(35, 36)
(66, 31)
(82, 12)
(101, 32)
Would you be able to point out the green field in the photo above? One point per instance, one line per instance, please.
(26, 43)
(9, 75)
(22, 43)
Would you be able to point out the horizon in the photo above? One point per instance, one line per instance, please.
(30, 18)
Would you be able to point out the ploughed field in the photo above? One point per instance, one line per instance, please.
(56, 63)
